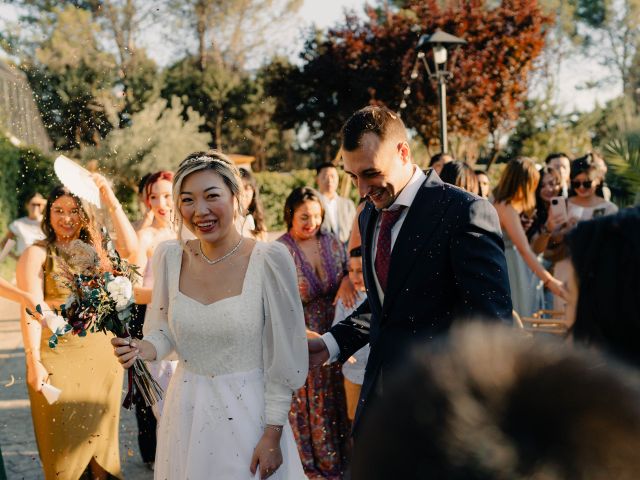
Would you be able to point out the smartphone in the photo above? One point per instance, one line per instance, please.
(559, 208)
(599, 212)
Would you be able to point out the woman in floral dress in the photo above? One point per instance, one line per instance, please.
(318, 414)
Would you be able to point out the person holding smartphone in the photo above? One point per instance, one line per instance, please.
(583, 204)
(584, 201)
(513, 196)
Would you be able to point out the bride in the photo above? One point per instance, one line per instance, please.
(228, 306)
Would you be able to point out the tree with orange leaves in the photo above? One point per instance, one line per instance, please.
(370, 61)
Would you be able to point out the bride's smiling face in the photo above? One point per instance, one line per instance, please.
(207, 206)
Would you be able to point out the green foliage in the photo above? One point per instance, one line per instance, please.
(36, 175)
(72, 80)
(541, 130)
(23, 171)
(9, 180)
(623, 156)
(275, 187)
(159, 138)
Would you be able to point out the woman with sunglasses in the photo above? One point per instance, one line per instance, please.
(584, 202)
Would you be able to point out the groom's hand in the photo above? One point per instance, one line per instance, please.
(318, 352)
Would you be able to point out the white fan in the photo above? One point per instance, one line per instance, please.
(77, 179)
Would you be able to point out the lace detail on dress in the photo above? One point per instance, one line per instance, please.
(224, 336)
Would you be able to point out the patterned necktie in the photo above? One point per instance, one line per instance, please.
(383, 249)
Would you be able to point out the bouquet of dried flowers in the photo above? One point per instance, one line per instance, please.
(101, 300)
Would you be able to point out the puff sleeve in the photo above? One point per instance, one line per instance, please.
(285, 353)
(156, 323)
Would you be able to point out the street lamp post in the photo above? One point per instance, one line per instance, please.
(439, 42)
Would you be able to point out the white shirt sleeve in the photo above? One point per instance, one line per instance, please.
(285, 352)
(334, 350)
(156, 322)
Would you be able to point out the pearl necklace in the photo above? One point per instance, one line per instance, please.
(226, 255)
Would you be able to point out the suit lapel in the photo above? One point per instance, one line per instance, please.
(424, 215)
(370, 217)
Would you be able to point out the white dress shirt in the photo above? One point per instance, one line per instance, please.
(331, 212)
(404, 199)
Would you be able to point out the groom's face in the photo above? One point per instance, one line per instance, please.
(379, 169)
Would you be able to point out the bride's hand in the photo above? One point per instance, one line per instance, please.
(267, 454)
(128, 350)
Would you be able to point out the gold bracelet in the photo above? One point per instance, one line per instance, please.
(277, 428)
(113, 209)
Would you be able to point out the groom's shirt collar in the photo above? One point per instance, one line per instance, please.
(409, 192)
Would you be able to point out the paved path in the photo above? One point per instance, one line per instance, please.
(16, 430)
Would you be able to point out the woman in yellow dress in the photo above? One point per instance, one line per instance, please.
(80, 429)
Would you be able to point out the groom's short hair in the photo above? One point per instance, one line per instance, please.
(489, 404)
(378, 120)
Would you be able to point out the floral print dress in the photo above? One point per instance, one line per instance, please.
(319, 412)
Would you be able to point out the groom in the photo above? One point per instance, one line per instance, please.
(432, 253)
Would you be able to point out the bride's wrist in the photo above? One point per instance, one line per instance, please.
(273, 431)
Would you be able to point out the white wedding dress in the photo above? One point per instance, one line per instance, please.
(240, 360)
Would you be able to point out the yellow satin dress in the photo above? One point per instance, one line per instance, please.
(83, 423)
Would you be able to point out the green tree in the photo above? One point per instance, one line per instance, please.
(232, 32)
(72, 79)
(159, 138)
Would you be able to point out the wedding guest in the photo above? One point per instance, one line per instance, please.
(318, 413)
(27, 230)
(486, 403)
(604, 305)
(353, 368)
(252, 222)
(484, 184)
(562, 163)
(514, 195)
(583, 204)
(240, 342)
(339, 211)
(544, 222)
(603, 190)
(432, 254)
(80, 430)
(586, 180)
(159, 201)
(546, 234)
(439, 160)
(461, 175)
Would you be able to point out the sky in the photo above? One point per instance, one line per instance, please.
(325, 13)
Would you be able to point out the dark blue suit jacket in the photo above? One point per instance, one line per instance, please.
(447, 264)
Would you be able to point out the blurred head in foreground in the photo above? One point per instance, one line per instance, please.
(492, 403)
(604, 284)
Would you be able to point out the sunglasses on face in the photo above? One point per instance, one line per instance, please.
(585, 184)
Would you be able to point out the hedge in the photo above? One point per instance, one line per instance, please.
(274, 190)
(23, 171)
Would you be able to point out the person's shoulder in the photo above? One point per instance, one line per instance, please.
(36, 251)
(18, 222)
(168, 247)
(273, 250)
